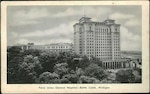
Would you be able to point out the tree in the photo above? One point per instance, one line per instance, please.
(137, 75)
(48, 77)
(13, 56)
(48, 61)
(14, 51)
(61, 69)
(69, 59)
(62, 57)
(69, 78)
(93, 70)
(84, 62)
(13, 60)
(87, 79)
(125, 76)
(29, 69)
(139, 70)
(26, 74)
(33, 52)
(79, 72)
(96, 61)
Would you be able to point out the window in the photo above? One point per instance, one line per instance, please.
(90, 27)
(116, 29)
(80, 29)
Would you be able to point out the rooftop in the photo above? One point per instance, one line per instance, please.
(83, 20)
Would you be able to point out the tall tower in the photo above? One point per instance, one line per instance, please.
(98, 39)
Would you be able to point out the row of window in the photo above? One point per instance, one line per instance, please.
(115, 52)
(99, 56)
(102, 29)
(107, 36)
(102, 56)
(105, 58)
(116, 41)
(104, 51)
(60, 50)
(99, 46)
(104, 46)
(103, 42)
(101, 38)
(53, 47)
(100, 50)
(99, 34)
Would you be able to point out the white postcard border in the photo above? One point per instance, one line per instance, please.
(104, 88)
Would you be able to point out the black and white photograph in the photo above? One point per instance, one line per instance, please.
(74, 44)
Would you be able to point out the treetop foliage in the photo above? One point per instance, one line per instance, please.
(36, 66)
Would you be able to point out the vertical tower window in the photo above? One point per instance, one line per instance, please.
(80, 29)
(116, 29)
(90, 27)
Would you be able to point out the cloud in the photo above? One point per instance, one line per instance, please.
(14, 34)
(33, 13)
(44, 25)
(132, 22)
(62, 29)
(129, 41)
(24, 17)
(61, 33)
(22, 41)
(30, 16)
(82, 11)
(98, 13)
(121, 16)
(67, 12)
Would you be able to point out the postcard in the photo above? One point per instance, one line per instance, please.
(75, 47)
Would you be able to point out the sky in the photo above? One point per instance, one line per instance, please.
(54, 24)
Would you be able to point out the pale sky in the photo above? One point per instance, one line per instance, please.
(49, 24)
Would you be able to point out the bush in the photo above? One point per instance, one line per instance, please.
(93, 70)
(87, 79)
(61, 69)
(69, 78)
(48, 77)
(125, 76)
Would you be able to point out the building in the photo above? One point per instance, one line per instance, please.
(59, 47)
(54, 47)
(25, 47)
(101, 40)
(98, 39)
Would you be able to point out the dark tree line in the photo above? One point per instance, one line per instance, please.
(35, 66)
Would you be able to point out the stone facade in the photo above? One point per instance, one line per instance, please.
(98, 39)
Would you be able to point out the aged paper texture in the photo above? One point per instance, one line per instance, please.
(17, 16)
